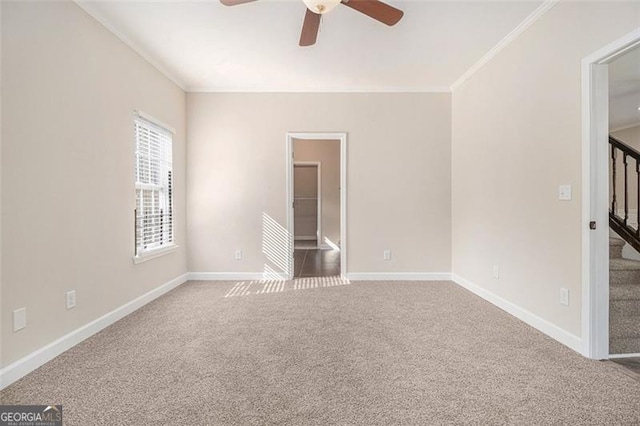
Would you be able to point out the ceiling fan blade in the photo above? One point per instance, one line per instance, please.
(235, 2)
(377, 10)
(310, 29)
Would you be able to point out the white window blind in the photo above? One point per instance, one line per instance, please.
(154, 187)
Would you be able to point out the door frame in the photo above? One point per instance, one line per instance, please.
(318, 166)
(595, 194)
(342, 137)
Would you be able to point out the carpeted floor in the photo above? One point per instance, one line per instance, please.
(323, 352)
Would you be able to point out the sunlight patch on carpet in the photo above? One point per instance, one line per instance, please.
(248, 288)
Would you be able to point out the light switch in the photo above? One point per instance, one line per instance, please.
(564, 192)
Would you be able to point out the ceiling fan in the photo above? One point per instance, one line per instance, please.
(375, 9)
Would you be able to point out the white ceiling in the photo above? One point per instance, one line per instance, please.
(624, 90)
(254, 47)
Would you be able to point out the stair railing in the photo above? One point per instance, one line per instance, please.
(619, 216)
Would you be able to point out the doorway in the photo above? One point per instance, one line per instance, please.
(596, 195)
(316, 204)
(624, 202)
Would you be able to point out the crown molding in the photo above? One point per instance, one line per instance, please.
(88, 7)
(507, 40)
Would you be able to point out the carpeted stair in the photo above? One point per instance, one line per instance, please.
(624, 301)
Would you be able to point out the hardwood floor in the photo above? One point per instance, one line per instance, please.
(316, 263)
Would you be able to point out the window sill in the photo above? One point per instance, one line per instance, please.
(155, 253)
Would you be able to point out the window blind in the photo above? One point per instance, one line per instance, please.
(154, 186)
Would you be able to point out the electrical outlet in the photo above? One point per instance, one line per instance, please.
(238, 254)
(71, 299)
(19, 319)
(386, 255)
(564, 296)
(496, 271)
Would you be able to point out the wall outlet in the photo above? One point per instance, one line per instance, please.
(564, 296)
(496, 271)
(19, 319)
(71, 299)
(238, 254)
(386, 255)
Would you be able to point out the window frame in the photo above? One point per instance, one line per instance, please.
(165, 191)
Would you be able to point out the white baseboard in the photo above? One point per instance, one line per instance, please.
(399, 276)
(572, 341)
(24, 366)
(618, 356)
(331, 244)
(236, 276)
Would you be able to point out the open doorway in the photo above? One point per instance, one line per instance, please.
(611, 80)
(316, 207)
(624, 200)
(316, 183)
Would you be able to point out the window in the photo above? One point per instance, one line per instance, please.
(154, 187)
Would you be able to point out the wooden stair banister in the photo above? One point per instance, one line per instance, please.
(620, 224)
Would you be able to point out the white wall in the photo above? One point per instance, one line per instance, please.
(516, 137)
(398, 175)
(327, 152)
(69, 91)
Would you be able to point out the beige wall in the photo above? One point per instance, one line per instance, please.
(516, 137)
(327, 152)
(398, 175)
(69, 90)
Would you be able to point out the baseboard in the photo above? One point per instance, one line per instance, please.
(24, 366)
(570, 340)
(237, 276)
(618, 356)
(399, 276)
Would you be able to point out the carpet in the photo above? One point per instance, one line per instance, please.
(327, 352)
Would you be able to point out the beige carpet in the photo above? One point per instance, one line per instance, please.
(330, 353)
